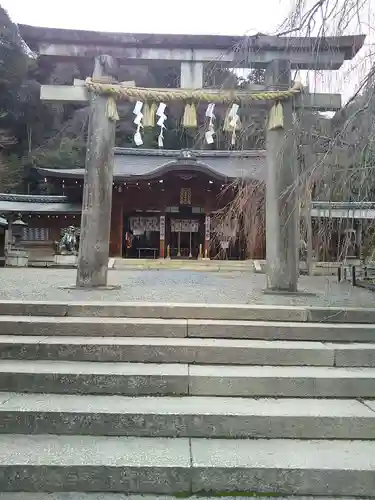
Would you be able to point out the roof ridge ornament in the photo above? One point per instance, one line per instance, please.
(186, 154)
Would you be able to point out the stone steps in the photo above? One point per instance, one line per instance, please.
(134, 379)
(154, 310)
(244, 312)
(207, 417)
(120, 496)
(186, 350)
(176, 399)
(153, 327)
(184, 466)
(185, 265)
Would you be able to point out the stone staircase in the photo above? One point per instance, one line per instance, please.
(184, 399)
(188, 264)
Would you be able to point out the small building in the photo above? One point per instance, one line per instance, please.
(45, 216)
(163, 200)
(164, 203)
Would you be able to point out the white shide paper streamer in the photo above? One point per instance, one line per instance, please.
(211, 130)
(137, 111)
(233, 119)
(160, 112)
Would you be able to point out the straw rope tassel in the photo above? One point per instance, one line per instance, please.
(149, 111)
(189, 120)
(276, 117)
(111, 109)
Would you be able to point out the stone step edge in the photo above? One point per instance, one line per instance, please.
(191, 350)
(200, 328)
(334, 314)
(187, 465)
(120, 496)
(186, 405)
(208, 417)
(186, 379)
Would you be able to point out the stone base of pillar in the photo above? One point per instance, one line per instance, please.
(297, 293)
(89, 288)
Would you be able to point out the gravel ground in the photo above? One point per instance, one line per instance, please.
(176, 286)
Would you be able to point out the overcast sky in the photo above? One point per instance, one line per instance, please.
(154, 16)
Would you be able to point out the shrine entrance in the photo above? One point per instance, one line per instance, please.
(279, 56)
(186, 237)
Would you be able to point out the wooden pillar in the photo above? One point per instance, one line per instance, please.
(117, 222)
(309, 242)
(282, 217)
(207, 237)
(162, 237)
(97, 191)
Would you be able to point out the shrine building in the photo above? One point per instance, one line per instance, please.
(161, 199)
(166, 202)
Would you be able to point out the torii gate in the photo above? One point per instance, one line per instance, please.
(282, 211)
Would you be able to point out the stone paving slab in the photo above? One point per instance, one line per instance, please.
(186, 417)
(284, 466)
(279, 330)
(120, 496)
(89, 450)
(148, 465)
(88, 463)
(92, 326)
(184, 405)
(370, 403)
(105, 311)
(234, 287)
(93, 378)
(354, 354)
(182, 379)
(279, 381)
(166, 350)
(347, 315)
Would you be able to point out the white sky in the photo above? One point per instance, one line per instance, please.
(154, 16)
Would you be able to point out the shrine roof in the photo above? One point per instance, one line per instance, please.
(10, 203)
(132, 164)
(347, 45)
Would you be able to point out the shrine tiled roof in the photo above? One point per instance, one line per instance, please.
(133, 164)
(12, 203)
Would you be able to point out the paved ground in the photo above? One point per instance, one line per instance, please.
(176, 286)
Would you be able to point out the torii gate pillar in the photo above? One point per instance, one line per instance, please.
(97, 191)
(282, 218)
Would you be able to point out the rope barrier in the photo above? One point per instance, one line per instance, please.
(119, 91)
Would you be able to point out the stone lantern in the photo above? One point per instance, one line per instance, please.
(16, 255)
